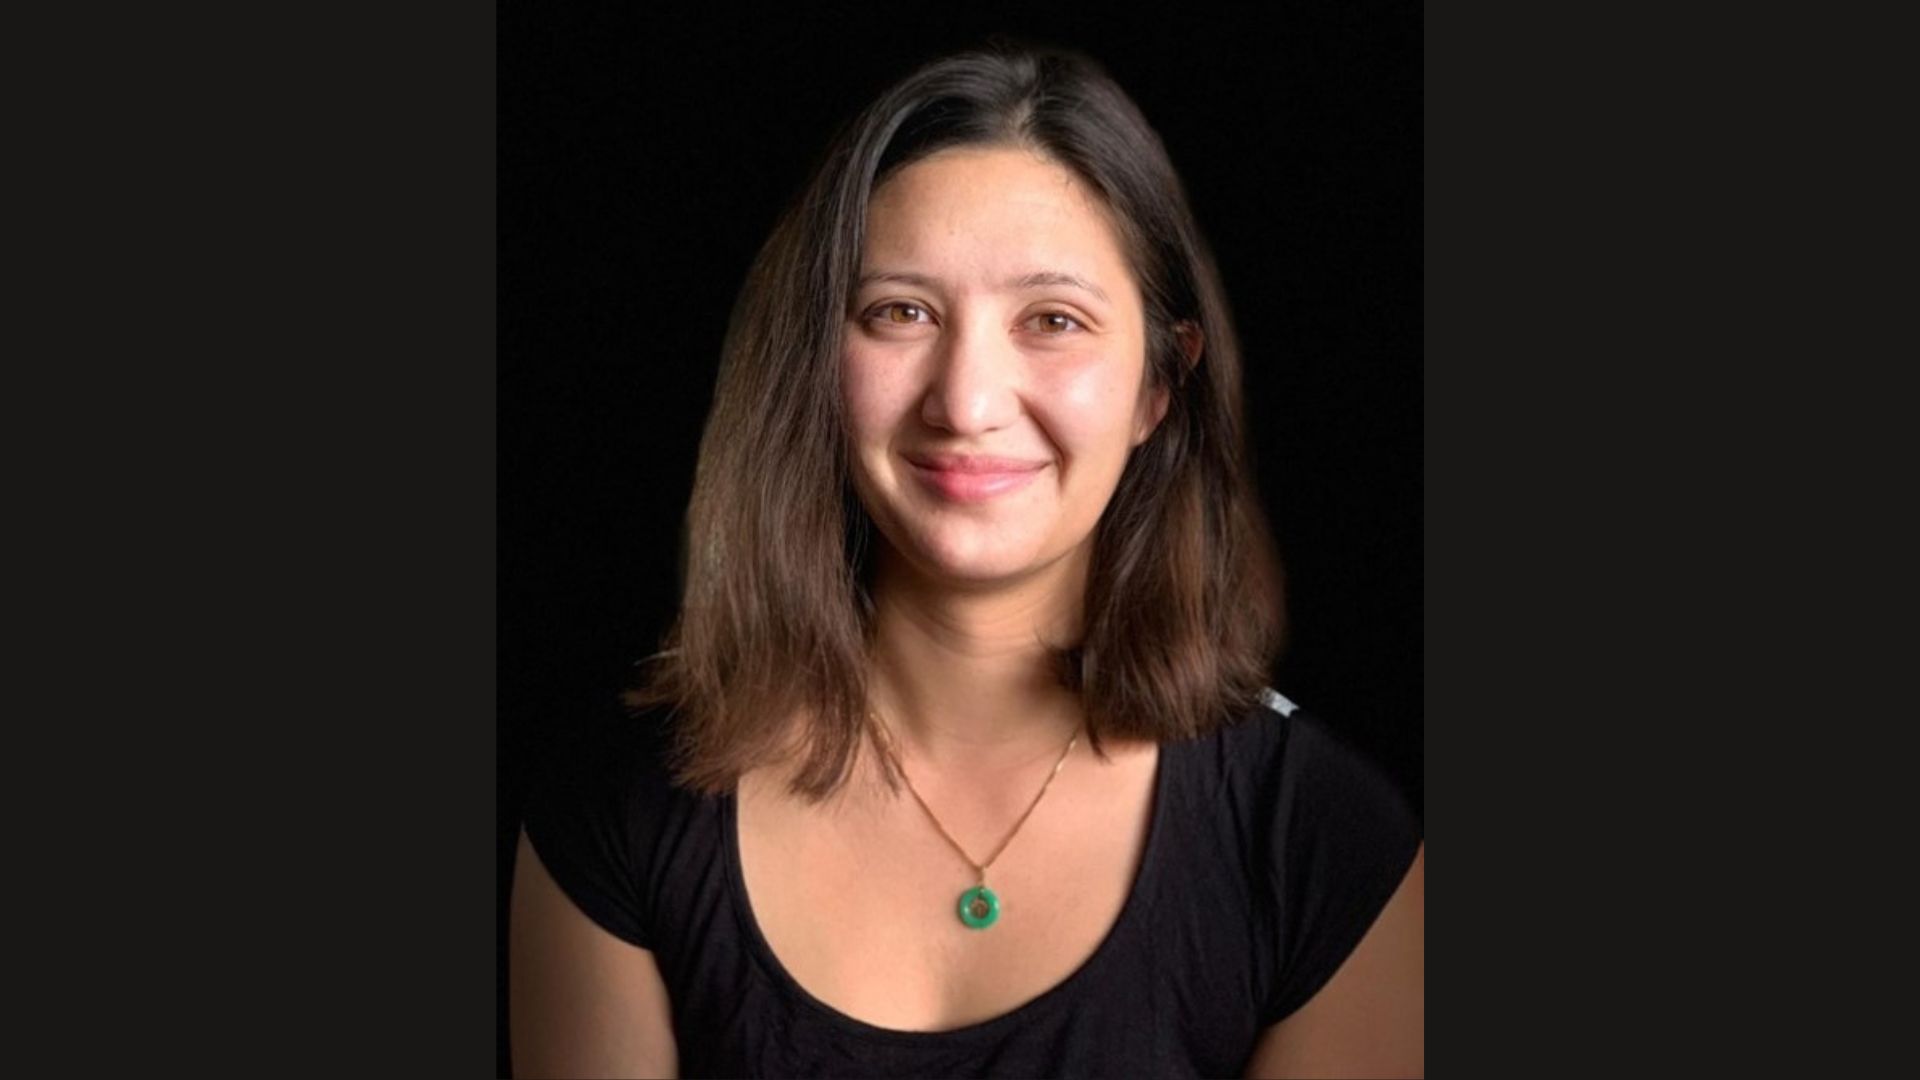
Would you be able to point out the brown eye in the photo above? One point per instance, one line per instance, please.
(904, 314)
(1054, 322)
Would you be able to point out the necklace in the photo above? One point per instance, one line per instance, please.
(979, 906)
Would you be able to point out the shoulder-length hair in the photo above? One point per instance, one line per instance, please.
(1182, 607)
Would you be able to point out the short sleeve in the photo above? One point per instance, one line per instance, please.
(1343, 838)
(594, 815)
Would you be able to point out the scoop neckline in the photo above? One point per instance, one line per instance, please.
(1131, 912)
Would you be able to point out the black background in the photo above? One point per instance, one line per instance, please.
(642, 159)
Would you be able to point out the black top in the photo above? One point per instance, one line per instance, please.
(1272, 848)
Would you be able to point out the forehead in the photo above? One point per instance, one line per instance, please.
(992, 209)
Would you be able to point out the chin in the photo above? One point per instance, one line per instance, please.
(970, 565)
(974, 558)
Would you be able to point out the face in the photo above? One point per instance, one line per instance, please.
(994, 371)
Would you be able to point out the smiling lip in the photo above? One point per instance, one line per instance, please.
(962, 478)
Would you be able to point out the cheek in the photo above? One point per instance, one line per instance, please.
(870, 397)
(1094, 406)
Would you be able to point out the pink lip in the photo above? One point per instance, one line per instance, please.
(964, 478)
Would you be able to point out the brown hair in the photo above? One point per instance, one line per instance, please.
(1182, 609)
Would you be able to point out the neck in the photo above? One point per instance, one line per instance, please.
(965, 678)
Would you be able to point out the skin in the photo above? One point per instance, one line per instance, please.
(956, 346)
(996, 316)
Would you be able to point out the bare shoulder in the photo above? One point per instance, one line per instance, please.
(582, 1002)
(1370, 1018)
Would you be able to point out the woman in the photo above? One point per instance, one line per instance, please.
(961, 759)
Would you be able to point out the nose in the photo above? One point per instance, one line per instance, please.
(974, 387)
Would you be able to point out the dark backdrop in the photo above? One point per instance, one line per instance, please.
(643, 158)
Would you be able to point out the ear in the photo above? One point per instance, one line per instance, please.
(1158, 395)
(1153, 409)
(1193, 341)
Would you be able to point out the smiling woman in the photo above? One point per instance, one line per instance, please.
(960, 758)
(991, 406)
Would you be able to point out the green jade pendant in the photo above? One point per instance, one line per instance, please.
(979, 908)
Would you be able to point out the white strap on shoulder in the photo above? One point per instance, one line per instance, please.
(1277, 703)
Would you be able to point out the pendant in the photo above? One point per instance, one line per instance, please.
(979, 907)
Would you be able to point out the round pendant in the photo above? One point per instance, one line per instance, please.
(979, 908)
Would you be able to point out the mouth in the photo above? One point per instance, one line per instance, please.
(970, 479)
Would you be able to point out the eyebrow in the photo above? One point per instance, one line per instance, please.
(1036, 279)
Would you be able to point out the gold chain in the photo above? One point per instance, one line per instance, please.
(980, 868)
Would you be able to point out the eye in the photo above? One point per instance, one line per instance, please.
(1055, 323)
(899, 313)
